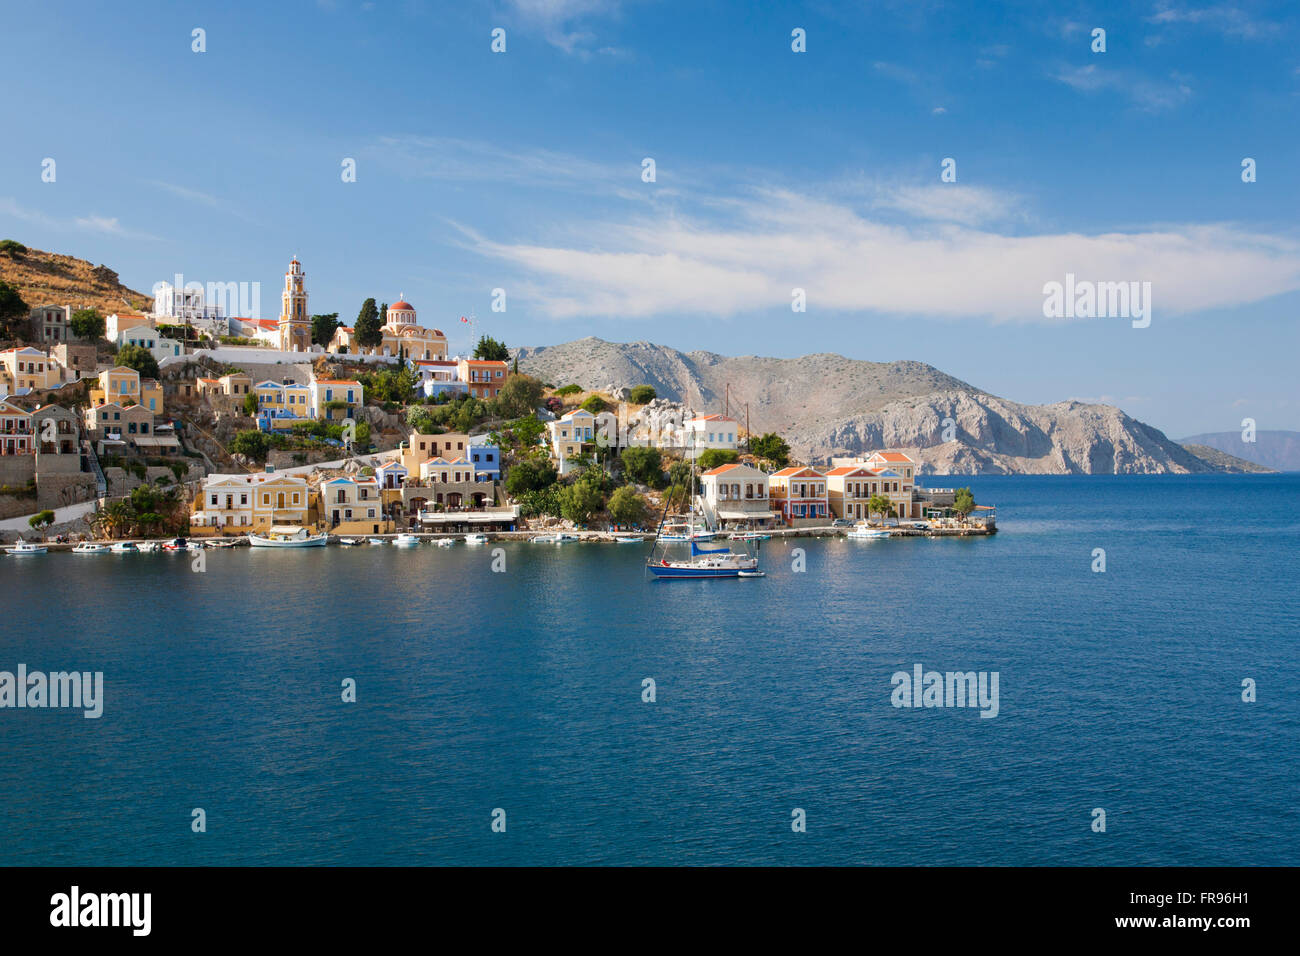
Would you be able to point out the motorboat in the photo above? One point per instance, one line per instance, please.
(90, 547)
(148, 547)
(25, 547)
(406, 540)
(864, 530)
(476, 539)
(288, 537)
(445, 542)
(176, 545)
(351, 542)
(375, 541)
(750, 536)
(124, 547)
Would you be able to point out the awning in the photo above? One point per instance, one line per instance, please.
(745, 515)
(156, 441)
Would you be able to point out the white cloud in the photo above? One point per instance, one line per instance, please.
(775, 241)
(184, 192)
(1226, 18)
(109, 226)
(1147, 94)
(563, 23)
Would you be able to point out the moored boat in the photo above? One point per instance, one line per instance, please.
(445, 542)
(351, 542)
(406, 540)
(476, 539)
(288, 537)
(863, 530)
(25, 547)
(90, 547)
(124, 547)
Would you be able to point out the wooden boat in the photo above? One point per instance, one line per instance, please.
(863, 530)
(288, 537)
(25, 547)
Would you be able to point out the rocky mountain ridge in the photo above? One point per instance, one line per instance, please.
(827, 405)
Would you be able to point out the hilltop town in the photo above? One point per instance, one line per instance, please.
(185, 420)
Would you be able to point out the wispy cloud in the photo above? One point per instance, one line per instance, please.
(185, 192)
(92, 223)
(1225, 18)
(772, 241)
(109, 226)
(1148, 94)
(567, 24)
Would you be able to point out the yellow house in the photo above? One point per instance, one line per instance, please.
(28, 368)
(125, 387)
(354, 506)
(238, 504)
(420, 448)
(568, 435)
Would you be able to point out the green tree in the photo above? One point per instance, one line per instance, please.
(180, 469)
(641, 394)
(529, 475)
(626, 507)
(390, 385)
(963, 503)
(367, 329)
(568, 390)
(595, 404)
(139, 358)
(519, 437)
(14, 312)
(772, 447)
(12, 248)
(519, 396)
(41, 520)
(252, 444)
(880, 505)
(323, 328)
(643, 465)
(250, 405)
(87, 324)
(490, 350)
(713, 457)
(580, 500)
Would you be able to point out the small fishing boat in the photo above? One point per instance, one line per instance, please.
(685, 532)
(476, 539)
(627, 539)
(223, 544)
(750, 536)
(194, 546)
(445, 542)
(148, 547)
(406, 540)
(176, 545)
(862, 530)
(351, 542)
(90, 547)
(25, 547)
(124, 547)
(288, 537)
(375, 541)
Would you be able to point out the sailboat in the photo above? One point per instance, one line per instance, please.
(703, 562)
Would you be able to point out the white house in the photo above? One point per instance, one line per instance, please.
(712, 431)
(146, 336)
(735, 494)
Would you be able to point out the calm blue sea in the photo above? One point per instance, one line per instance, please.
(522, 691)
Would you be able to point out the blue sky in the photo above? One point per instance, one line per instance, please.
(774, 170)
